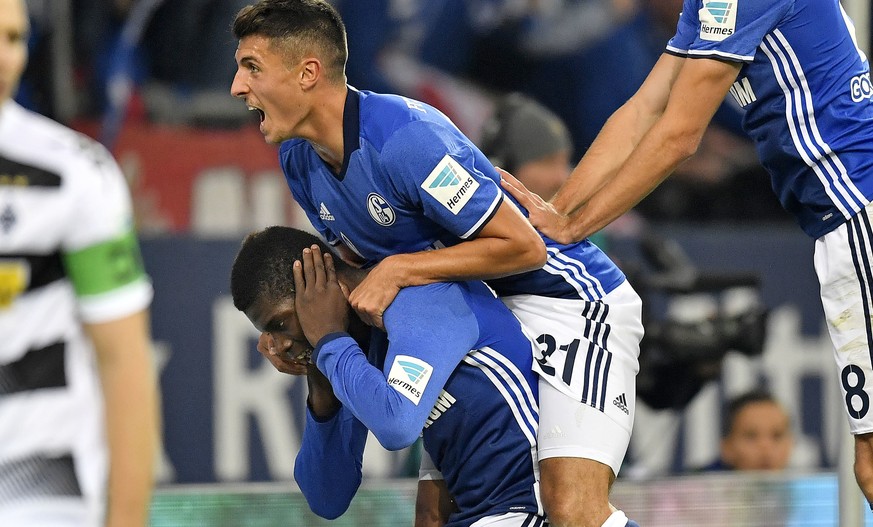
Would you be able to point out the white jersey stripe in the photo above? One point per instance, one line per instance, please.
(715, 53)
(810, 109)
(583, 270)
(516, 382)
(573, 275)
(485, 217)
(792, 127)
(797, 101)
(523, 413)
(519, 382)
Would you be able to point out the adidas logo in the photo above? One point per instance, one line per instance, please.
(621, 403)
(554, 432)
(325, 214)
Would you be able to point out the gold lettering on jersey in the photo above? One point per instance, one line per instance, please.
(14, 180)
(14, 276)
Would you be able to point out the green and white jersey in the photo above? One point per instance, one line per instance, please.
(68, 255)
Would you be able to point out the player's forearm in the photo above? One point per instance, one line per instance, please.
(131, 403)
(663, 149)
(620, 136)
(611, 148)
(478, 259)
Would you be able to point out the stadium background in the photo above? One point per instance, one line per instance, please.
(232, 424)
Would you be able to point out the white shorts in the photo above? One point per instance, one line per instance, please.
(588, 360)
(844, 265)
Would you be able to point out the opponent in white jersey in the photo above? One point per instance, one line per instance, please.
(386, 179)
(807, 100)
(75, 373)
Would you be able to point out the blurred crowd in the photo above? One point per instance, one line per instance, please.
(172, 61)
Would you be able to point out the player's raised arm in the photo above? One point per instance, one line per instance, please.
(640, 145)
(394, 414)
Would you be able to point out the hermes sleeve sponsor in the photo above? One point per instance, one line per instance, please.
(409, 376)
(718, 19)
(450, 184)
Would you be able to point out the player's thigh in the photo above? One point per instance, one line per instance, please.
(843, 264)
(579, 435)
(511, 519)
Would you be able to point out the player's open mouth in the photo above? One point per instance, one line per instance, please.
(260, 112)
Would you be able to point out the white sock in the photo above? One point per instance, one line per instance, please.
(616, 519)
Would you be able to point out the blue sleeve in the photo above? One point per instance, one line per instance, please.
(328, 466)
(685, 30)
(430, 328)
(442, 173)
(728, 30)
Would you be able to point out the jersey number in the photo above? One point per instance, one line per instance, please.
(551, 346)
(855, 390)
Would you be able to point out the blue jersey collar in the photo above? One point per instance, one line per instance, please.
(351, 128)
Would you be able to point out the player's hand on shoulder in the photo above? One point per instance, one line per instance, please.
(320, 302)
(375, 293)
(541, 214)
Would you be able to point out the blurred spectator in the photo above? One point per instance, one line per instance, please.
(529, 141)
(526, 139)
(757, 434)
(449, 52)
(189, 43)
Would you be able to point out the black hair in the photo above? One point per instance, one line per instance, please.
(736, 405)
(305, 24)
(263, 266)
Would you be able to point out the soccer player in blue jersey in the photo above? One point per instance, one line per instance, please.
(453, 367)
(386, 180)
(807, 99)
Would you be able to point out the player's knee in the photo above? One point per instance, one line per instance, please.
(575, 492)
(569, 509)
(562, 512)
(864, 476)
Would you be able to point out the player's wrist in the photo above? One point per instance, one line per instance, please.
(403, 270)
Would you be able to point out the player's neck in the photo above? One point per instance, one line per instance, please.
(327, 127)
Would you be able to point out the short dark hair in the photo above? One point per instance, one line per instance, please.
(736, 405)
(263, 266)
(303, 25)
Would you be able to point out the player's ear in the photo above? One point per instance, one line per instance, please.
(311, 71)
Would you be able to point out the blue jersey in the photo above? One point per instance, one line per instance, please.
(411, 181)
(805, 86)
(457, 372)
